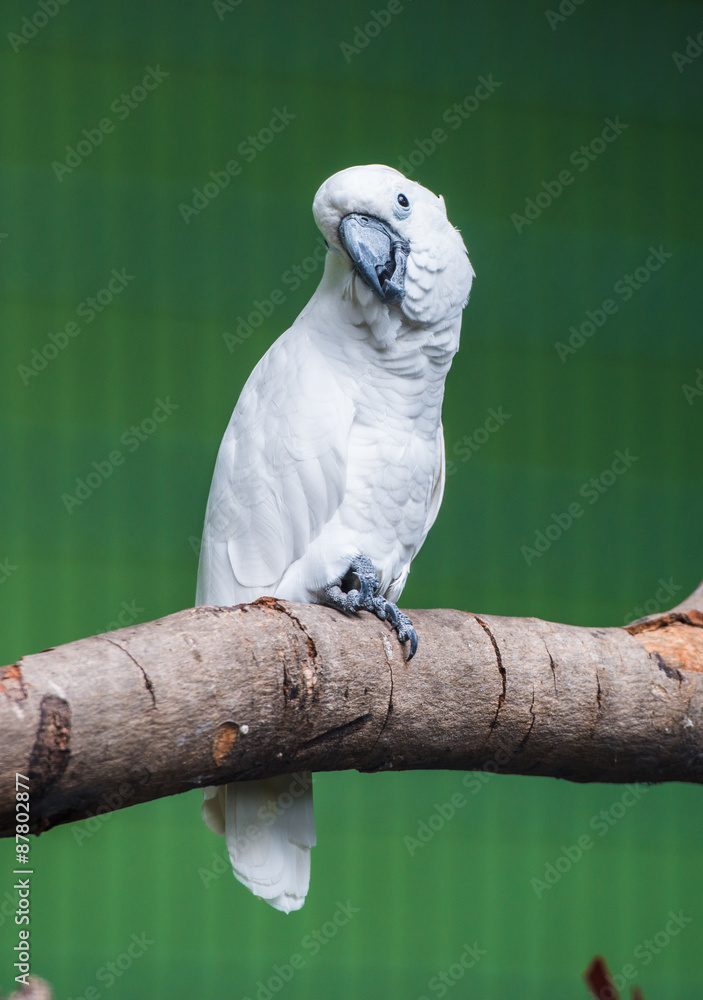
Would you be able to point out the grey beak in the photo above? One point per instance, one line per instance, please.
(378, 253)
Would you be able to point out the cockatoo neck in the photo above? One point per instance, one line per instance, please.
(344, 308)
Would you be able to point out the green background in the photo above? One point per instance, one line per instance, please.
(141, 869)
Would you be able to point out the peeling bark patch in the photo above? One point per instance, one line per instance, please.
(310, 679)
(659, 692)
(671, 672)
(263, 602)
(225, 738)
(678, 645)
(310, 642)
(387, 647)
(52, 745)
(501, 668)
(690, 616)
(308, 673)
(12, 683)
(147, 682)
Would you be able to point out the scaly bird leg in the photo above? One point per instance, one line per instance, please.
(366, 598)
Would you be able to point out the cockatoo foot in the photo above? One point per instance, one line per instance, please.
(366, 598)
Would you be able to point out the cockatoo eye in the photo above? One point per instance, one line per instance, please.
(401, 209)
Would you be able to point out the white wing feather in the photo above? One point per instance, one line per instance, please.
(280, 473)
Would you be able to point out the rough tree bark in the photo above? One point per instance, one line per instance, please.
(211, 695)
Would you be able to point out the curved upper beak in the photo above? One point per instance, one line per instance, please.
(377, 252)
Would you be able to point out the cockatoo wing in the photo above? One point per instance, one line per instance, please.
(438, 489)
(280, 473)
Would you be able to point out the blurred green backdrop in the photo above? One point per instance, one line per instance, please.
(352, 95)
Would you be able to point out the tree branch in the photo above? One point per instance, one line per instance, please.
(211, 695)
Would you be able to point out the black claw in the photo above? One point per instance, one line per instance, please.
(383, 610)
(407, 631)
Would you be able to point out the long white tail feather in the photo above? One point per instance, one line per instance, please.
(269, 828)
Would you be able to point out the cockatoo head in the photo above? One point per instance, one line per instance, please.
(396, 239)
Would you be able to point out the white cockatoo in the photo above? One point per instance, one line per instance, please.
(331, 470)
